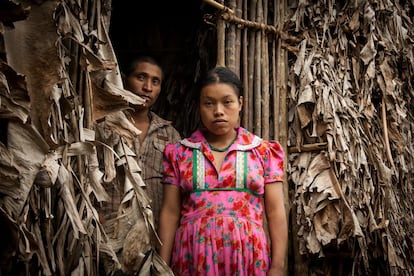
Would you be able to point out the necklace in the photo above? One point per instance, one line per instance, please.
(223, 149)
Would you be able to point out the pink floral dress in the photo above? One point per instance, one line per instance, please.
(221, 228)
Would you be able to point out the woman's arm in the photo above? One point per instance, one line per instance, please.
(169, 220)
(277, 226)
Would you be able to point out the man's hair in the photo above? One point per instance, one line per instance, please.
(130, 67)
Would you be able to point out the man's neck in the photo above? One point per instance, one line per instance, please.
(141, 116)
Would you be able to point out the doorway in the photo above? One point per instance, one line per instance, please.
(175, 33)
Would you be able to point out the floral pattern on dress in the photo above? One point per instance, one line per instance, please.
(221, 231)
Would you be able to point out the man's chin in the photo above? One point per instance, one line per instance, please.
(138, 106)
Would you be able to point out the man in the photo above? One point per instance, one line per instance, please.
(144, 77)
(120, 217)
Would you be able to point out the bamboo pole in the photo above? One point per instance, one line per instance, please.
(275, 78)
(252, 46)
(238, 12)
(245, 72)
(265, 79)
(219, 6)
(221, 37)
(221, 42)
(231, 43)
(282, 67)
(252, 24)
(258, 75)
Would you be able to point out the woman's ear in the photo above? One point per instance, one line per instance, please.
(241, 102)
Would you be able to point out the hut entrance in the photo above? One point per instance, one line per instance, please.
(169, 31)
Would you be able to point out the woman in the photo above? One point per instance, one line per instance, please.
(217, 184)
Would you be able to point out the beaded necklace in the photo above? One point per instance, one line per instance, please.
(223, 149)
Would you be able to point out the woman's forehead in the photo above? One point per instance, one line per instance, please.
(218, 90)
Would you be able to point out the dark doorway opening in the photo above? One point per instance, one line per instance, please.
(163, 29)
(175, 33)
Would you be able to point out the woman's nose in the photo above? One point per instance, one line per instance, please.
(218, 110)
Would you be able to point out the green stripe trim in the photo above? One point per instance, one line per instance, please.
(195, 169)
(226, 189)
(245, 170)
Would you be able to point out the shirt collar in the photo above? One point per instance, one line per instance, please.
(245, 140)
(157, 121)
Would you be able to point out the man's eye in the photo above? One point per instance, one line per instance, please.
(140, 77)
(156, 82)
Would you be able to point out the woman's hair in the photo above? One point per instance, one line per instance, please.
(130, 67)
(222, 75)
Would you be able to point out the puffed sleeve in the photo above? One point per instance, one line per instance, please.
(169, 165)
(273, 160)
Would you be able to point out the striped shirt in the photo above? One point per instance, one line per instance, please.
(150, 154)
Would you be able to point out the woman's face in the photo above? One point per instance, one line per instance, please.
(219, 108)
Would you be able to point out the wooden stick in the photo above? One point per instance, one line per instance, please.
(260, 26)
(237, 49)
(246, 82)
(219, 6)
(221, 42)
(275, 84)
(258, 75)
(252, 46)
(265, 117)
(231, 44)
(282, 66)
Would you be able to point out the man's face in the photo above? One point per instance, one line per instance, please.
(145, 81)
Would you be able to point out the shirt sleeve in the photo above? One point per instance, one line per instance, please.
(174, 135)
(170, 166)
(273, 162)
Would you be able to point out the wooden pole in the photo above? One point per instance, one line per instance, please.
(265, 117)
(282, 67)
(258, 75)
(221, 37)
(238, 12)
(221, 42)
(231, 43)
(245, 71)
(219, 6)
(251, 66)
(275, 80)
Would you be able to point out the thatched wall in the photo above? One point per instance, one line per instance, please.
(331, 81)
(351, 136)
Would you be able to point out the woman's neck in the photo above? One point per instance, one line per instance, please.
(221, 141)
